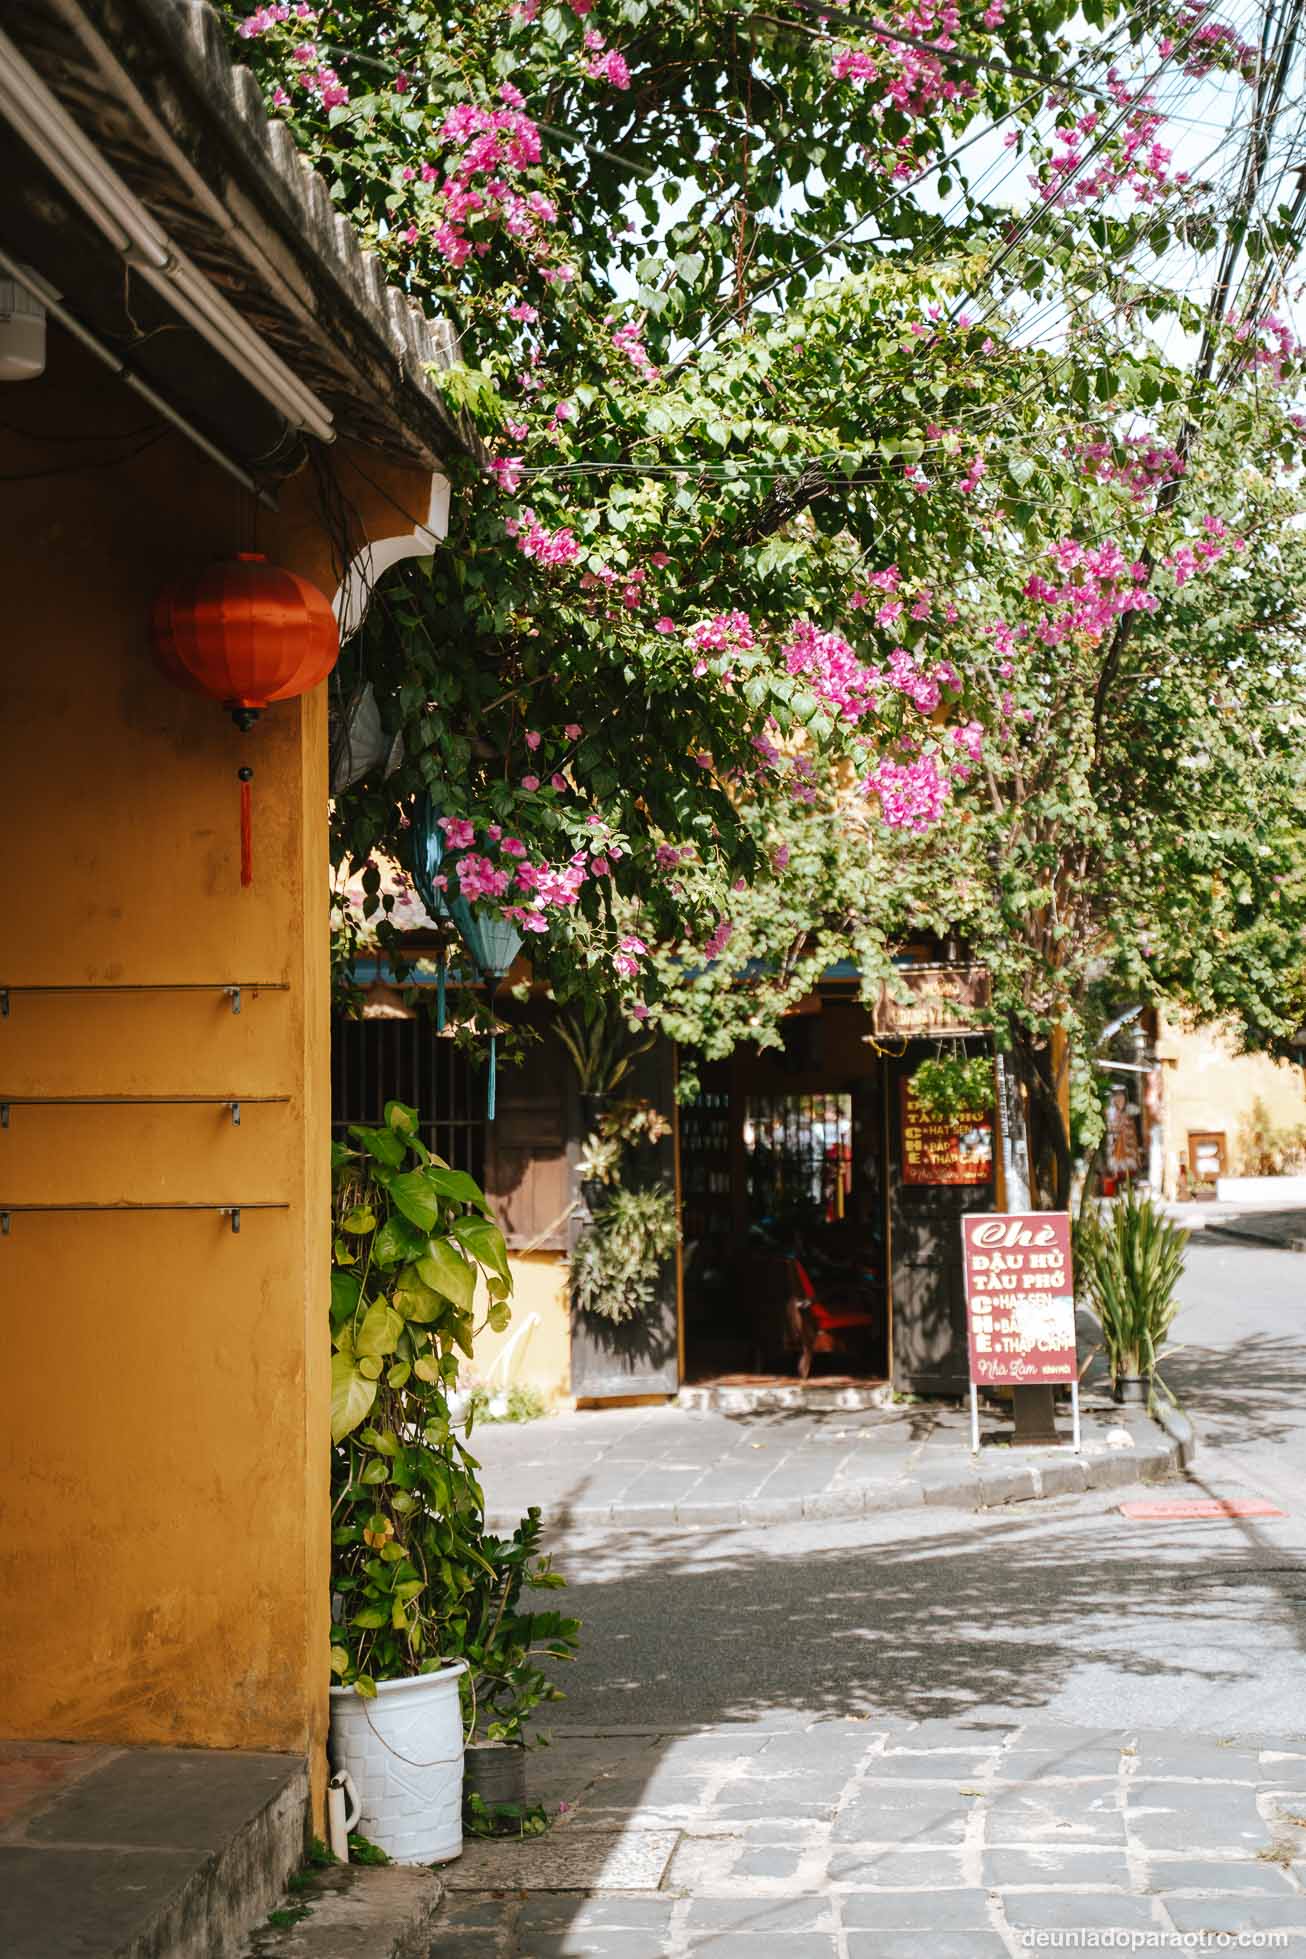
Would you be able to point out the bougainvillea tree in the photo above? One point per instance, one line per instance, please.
(775, 411)
(1135, 828)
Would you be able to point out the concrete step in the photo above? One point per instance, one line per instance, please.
(143, 1853)
(771, 1397)
(355, 1911)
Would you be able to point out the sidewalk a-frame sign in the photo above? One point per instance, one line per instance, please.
(1020, 1305)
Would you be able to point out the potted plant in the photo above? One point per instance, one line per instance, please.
(502, 1646)
(596, 1036)
(955, 1088)
(1129, 1264)
(412, 1241)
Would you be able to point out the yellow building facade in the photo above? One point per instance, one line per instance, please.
(164, 1040)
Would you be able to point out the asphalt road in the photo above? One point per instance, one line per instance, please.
(1065, 1611)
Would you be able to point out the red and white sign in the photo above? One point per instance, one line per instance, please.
(1199, 1507)
(1020, 1299)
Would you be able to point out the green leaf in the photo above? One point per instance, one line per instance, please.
(345, 1289)
(456, 1184)
(351, 1396)
(415, 1300)
(447, 1271)
(417, 1197)
(484, 1241)
(383, 1144)
(380, 1331)
(395, 1241)
(360, 1220)
(401, 1118)
(370, 1618)
(376, 1471)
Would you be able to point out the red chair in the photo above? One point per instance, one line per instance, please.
(824, 1324)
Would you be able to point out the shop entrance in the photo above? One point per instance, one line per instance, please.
(783, 1205)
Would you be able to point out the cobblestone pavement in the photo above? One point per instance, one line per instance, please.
(864, 1840)
(949, 1734)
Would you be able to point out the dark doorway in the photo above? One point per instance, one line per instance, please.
(929, 1311)
(783, 1193)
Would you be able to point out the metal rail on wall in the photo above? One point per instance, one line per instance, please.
(232, 1102)
(234, 989)
(231, 1211)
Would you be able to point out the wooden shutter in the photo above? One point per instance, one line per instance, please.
(528, 1152)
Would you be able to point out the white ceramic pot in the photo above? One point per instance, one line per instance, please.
(404, 1751)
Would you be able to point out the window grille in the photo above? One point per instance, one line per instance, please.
(378, 1061)
(798, 1151)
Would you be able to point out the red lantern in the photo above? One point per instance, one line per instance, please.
(246, 633)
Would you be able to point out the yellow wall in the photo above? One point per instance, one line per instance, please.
(537, 1343)
(1209, 1085)
(163, 1452)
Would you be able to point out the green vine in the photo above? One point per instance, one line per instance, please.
(416, 1579)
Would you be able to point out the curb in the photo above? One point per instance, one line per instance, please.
(1240, 1235)
(358, 1911)
(985, 1489)
(1170, 1417)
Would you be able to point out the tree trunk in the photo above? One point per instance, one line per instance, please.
(1049, 1139)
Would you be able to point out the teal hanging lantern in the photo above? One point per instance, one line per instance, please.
(423, 856)
(494, 943)
(423, 852)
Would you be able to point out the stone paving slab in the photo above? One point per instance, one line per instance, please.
(670, 1467)
(142, 1850)
(806, 1838)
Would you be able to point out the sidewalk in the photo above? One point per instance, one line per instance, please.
(884, 1839)
(1246, 1224)
(669, 1466)
(1286, 1230)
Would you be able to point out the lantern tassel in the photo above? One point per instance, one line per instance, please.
(246, 827)
(440, 994)
(489, 1094)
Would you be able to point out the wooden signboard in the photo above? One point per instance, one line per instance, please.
(938, 1152)
(933, 1000)
(1020, 1304)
